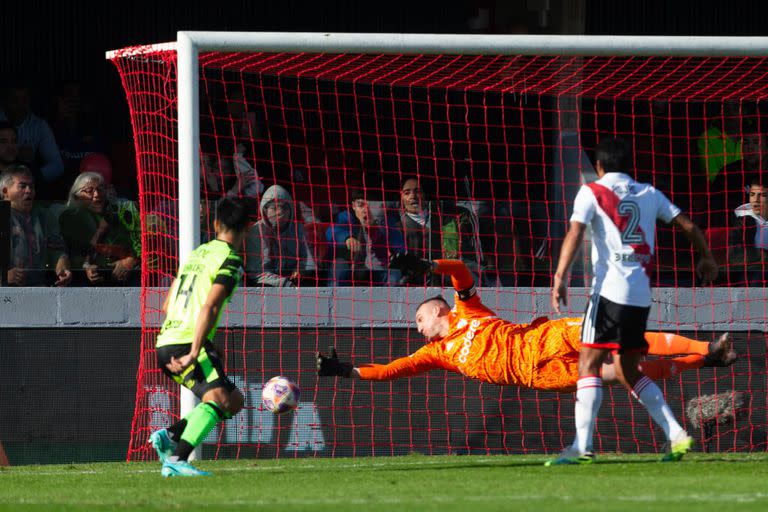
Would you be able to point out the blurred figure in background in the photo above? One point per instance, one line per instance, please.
(9, 146)
(75, 126)
(36, 142)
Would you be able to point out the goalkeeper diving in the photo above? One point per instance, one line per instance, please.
(544, 355)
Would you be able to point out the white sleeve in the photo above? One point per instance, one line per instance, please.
(583, 206)
(665, 209)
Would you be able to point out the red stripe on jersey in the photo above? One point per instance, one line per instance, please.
(609, 202)
(615, 346)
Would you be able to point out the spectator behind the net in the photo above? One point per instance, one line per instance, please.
(433, 231)
(101, 165)
(37, 144)
(154, 225)
(729, 153)
(36, 253)
(244, 126)
(229, 177)
(748, 243)
(362, 246)
(726, 191)
(720, 144)
(277, 253)
(103, 234)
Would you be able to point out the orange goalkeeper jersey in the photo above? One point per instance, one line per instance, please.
(541, 355)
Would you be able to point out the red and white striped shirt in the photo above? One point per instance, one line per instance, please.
(622, 214)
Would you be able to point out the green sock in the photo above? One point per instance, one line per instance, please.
(200, 422)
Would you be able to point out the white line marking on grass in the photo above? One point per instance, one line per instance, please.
(702, 498)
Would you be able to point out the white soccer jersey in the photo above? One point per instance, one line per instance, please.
(622, 214)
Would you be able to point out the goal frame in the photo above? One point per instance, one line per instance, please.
(189, 44)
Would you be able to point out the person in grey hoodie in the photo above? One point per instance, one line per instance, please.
(277, 252)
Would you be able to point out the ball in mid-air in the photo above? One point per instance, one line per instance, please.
(280, 395)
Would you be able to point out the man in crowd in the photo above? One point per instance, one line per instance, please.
(34, 250)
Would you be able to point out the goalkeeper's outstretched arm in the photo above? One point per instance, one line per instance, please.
(419, 362)
(461, 277)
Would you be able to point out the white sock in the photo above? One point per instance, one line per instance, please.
(589, 396)
(650, 396)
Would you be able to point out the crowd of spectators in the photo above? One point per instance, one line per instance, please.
(92, 236)
(87, 237)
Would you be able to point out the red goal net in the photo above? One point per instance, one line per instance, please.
(494, 148)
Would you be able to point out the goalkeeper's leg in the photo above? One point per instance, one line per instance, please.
(715, 353)
(657, 369)
(668, 344)
(718, 353)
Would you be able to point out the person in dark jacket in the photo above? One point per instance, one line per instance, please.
(436, 230)
(362, 246)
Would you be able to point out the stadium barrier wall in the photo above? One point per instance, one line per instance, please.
(69, 397)
(69, 357)
(683, 309)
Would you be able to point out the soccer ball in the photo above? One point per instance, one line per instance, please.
(280, 395)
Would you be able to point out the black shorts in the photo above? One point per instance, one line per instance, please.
(612, 326)
(205, 374)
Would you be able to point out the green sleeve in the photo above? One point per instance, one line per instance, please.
(229, 273)
(450, 237)
(130, 219)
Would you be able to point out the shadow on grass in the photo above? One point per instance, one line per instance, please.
(445, 466)
(629, 460)
(427, 463)
(706, 458)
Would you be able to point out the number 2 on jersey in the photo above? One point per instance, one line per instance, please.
(631, 234)
(183, 291)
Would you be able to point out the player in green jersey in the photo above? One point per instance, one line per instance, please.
(185, 352)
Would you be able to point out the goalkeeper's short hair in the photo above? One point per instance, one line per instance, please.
(438, 298)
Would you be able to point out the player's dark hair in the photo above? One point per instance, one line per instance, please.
(426, 185)
(614, 154)
(438, 298)
(234, 214)
(757, 181)
(355, 194)
(406, 178)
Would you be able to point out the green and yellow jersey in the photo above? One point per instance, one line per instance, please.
(212, 263)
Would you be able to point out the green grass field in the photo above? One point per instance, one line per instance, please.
(700, 482)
